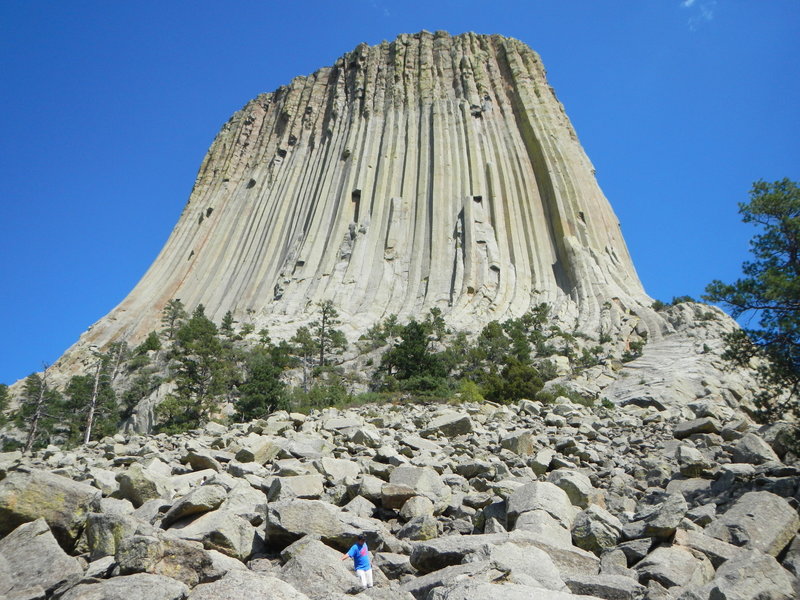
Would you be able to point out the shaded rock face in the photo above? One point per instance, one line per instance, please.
(431, 171)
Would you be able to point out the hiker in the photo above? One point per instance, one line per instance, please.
(360, 555)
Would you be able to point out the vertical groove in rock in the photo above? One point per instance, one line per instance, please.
(432, 171)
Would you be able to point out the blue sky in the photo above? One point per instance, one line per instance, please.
(107, 109)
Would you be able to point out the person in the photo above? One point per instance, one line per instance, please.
(360, 555)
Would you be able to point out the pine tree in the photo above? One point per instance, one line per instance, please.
(202, 375)
(327, 338)
(263, 391)
(91, 404)
(4, 398)
(39, 408)
(769, 290)
(172, 317)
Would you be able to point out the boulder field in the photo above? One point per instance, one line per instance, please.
(457, 501)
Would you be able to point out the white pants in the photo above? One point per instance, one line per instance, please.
(366, 577)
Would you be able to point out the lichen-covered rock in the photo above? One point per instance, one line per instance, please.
(168, 556)
(139, 485)
(105, 532)
(63, 503)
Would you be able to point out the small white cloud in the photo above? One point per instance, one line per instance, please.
(702, 11)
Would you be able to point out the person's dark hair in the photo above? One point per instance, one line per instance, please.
(361, 538)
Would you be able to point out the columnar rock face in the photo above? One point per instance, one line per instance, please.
(431, 171)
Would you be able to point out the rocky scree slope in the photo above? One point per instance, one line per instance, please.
(684, 499)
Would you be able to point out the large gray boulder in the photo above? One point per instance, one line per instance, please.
(595, 529)
(610, 587)
(318, 570)
(522, 443)
(200, 500)
(450, 425)
(141, 585)
(30, 556)
(659, 520)
(541, 495)
(64, 504)
(393, 565)
(714, 550)
(336, 470)
(482, 590)
(433, 555)
(757, 521)
(255, 448)
(569, 560)
(673, 566)
(752, 575)
(246, 584)
(543, 524)
(309, 487)
(578, 487)
(420, 587)
(288, 521)
(223, 531)
(530, 566)
(425, 482)
(753, 450)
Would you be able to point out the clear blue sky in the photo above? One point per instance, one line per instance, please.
(107, 109)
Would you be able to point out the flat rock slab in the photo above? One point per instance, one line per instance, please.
(757, 521)
(752, 575)
(481, 590)
(246, 585)
(141, 585)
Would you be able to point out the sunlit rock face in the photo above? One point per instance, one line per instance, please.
(431, 171)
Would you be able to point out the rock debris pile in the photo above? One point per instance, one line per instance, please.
(458, 502)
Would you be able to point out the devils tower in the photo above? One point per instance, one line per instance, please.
(431, 171)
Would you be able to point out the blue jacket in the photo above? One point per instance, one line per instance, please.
(360, 556)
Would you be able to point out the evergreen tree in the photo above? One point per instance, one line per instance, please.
(263, 391)
(304, 348)
(226, 326)
(202, 375)
(327, 338)
(151, 344)
(769, 290)
(4, 398)
(516, 381)
(172, 317)
(91, 404)
(39, 410)
(413, 364)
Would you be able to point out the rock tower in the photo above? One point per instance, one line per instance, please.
(431, 171)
